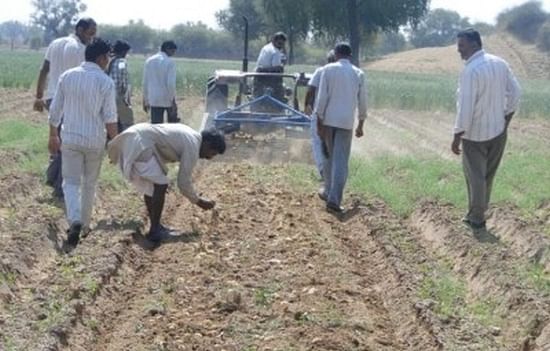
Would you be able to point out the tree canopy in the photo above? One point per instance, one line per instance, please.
(438, 28)
(56, 17)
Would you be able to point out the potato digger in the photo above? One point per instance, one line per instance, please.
(261, 127)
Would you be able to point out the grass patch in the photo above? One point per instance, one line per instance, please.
(446, 290)
(535, 275)
(28, 142)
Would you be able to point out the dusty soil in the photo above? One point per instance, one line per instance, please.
(269, 269)
(525, 60)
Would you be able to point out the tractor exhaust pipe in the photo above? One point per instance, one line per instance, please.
(245, 57)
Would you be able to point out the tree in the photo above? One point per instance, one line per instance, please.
(13, 31)
(354, 19)
(56, 17)
(386, 43)
(289, 16)
(523, 21)
(438, 28)
(543, 39)
(231, 19)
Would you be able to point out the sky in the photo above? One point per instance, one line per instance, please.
(163, 14)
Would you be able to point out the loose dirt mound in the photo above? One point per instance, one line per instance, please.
(525, 60)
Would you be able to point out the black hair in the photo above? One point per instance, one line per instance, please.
(215, 140)
(342, 49)
(279, 35)
(168, 45)
(96, 48)
(121, 46)
(85, 23)
(471, 35)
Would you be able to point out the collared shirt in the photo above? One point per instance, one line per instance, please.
(342, 90)
(170, 142)
(85, 98)
(62, 54)
(118, 70)
(270, 57)
(487, 91)
(159, 80)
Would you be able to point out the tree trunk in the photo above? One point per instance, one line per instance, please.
(290, 57)
(354, 30)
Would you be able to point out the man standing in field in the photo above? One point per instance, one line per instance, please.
(342, 91)
(118, 70)
(85, 100)
(61, 55)
(271, 59)
(317, 146)
(142, 152)
(487, 98)
(159, 84)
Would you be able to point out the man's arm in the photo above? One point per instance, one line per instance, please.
(465, 103)
(513, 94)
(171, 83)
(39, 103)
(362, 105)
(309, 100)
(145, 87)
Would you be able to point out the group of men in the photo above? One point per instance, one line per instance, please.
(88, 107)
(487, 98)
(88, 99)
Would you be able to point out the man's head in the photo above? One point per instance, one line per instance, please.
(85, 29)
(98, 52)
(169, 47)
(279, 40)
(331, 56)
(342, 51)
(468, 43)
(121, 48)
(213, 143)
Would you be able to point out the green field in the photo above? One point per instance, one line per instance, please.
(408, 91)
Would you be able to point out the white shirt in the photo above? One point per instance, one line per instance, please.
(342, 90)
(85, 98)
(487, 91)
(62, 54)
(159, 80)
(315, 78)
(269, 57)
(170, 142)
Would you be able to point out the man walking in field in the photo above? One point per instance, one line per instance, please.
(159, 84)
(118, 70)
(62, 54)
(85, 100)
(317, 146)
(488, 96)
(342, 91)
(142, 152)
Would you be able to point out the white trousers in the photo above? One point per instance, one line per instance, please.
(80, 169)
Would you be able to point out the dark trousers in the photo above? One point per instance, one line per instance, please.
(157, 114)
(480, 161)
(53, 172)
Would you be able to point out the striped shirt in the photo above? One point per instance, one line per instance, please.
(118, 70)
(159, 81)
(342, 90)
(487, 91)
(85, 98)
(62, 54)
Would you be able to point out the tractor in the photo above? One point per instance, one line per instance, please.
(270, 127)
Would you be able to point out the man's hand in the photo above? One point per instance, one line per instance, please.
(206, 204)
(359, 130)
(455, 146)
(146, 107)
(507, 120)
(54, 144)
(39, 105)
